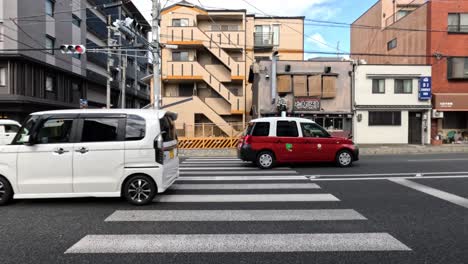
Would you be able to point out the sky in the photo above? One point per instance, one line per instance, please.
(317, 37)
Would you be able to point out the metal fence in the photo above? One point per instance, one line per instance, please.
(209, 135)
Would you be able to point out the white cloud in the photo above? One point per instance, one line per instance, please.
(318, 41)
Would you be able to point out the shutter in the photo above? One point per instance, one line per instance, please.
(329, 87)
(300, 85)
(315, 86)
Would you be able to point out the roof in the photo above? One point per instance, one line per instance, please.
(8, 122)
(269, 119)
(395, 107)
(325, 59)
(142, 112)
(278, 17)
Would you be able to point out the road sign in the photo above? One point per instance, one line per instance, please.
(425, 88)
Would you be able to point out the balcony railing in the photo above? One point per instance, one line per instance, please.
(263, 40)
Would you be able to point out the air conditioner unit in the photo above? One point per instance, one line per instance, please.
(437, 114)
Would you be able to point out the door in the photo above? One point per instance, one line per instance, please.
(9, 133)
(98, 156)
(319, 145)
(288, 146)
(46, 166)
(415, 128)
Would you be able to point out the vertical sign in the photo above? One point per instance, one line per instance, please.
(425, 88)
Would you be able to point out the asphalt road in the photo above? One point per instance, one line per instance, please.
(225, 211)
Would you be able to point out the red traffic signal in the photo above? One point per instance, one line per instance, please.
(72, 49)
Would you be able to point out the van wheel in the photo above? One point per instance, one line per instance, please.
(6, 192)
(344, 158)
(139, 190)
(265, 160)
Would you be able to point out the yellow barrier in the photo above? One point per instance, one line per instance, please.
(208, 143)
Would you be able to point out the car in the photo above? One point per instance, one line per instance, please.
(273, 140)
(8, 130)
(130, 153)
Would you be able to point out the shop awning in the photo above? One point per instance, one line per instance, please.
(451, 102)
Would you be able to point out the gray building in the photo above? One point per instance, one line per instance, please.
(318, 90)
(35, 80)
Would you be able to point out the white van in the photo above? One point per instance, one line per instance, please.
(8, 130)
(130, 153)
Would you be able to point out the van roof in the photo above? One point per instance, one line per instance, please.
(269, 119)
(144, 112)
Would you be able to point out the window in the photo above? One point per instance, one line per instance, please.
(378, 86)
(392, 44)
(168, 129)
(100, 130)
(457, 68)
(455, 120)
(180, 56)
(25, 131)
(54, 131)
(50, 84)
(276, 35)
(218, 27)
(286, 129)
(2, 76)
(458, 22)
(76, 21)
(135, 128)
(142, 68)
(130, 61)
(313, 130)
(50, 7)
(186, 89)
(384, 118)
(180, 22)
(402, 13)
(11, 129)
(50, 44)
(404, 86)
(263, 35)
(261, 129)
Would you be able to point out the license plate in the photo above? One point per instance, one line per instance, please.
(171, 154)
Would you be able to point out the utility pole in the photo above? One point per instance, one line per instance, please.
(109, 61)
(156, 88)
(124, 79)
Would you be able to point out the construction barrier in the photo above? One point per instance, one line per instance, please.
(208, 143)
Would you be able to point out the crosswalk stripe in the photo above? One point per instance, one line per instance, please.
(241, 178)
(209, 243)
(234, 215)
(245, 186)
(217, 198)
(213, 159)
(191, 173)
(224, 168)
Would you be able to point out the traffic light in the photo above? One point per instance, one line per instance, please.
(72, 49)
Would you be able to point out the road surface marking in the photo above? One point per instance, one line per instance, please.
(222, 198)
(245, 186)
(214, 163)
(435, 160)
(257, 172)
(214, 160)
(385, 174)
(211, 243)
(225, 168)
(452, 198)
(241, 178)
(387, 178)
(234, 215)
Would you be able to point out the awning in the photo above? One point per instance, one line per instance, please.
(451, 102)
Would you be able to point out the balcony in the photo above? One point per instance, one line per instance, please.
(263, 41)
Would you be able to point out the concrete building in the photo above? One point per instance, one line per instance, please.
(318, 90)
(434, 33)
(46, 79)
(205, 79)
(388, 109)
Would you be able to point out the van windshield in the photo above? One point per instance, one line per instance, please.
(248, 130)
(25, 131)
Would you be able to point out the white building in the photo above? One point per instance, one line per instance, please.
(388, 109)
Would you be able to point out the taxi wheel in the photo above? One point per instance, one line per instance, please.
(265, 160)
(344, 159)
(139, 190)
(6, 192)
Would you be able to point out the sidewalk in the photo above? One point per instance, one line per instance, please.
(365, 150)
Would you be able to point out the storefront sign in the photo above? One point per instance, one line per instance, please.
(451, 102)
(306, 104)
(425, 88)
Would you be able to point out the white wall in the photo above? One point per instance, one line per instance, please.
(365, 134)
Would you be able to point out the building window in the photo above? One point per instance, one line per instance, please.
(130, 61)
(180, 22)
(404, 86)
(457, 68)
(76, 56)
(286, 129)
(50, 44)
(392, 44)
(384, 118)
(218, 27)
(50, 7)
(186, 89)
(378, 86)
(2, 76)
(76, 21)
(458, 22)
(50, 84)
(180, 56)
(276, 35)
(455, 120)
(142, 68)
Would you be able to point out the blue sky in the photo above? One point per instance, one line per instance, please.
(330, 10)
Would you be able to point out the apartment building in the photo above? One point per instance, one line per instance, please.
(32, 79)
(426, 33)
(205, 79)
